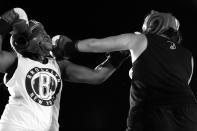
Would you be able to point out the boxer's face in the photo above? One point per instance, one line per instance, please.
(40, 44)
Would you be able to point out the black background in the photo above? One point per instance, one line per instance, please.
(102, 107)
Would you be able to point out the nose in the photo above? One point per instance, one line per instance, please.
(47, 45)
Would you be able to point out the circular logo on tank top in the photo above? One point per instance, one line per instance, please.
(42, 85)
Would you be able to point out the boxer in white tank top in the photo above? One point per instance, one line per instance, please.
(33, 81)
(35, 90)
(34, 74)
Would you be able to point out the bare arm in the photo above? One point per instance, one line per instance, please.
(6, 58)
(113, 43)
(80, 74)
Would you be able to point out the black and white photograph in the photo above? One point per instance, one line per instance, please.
(98, 65)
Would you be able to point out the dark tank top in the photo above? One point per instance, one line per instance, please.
(160, 74)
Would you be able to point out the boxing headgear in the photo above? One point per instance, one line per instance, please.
(20, 40)
(157, 23)
(36, 28)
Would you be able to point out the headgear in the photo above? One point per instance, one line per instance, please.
(20, 40)
(157, 23)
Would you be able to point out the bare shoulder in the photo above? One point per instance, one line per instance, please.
(139, 36)
(135, 40)
(137, 45)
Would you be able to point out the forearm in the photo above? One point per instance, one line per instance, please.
(82, 74)
(111, 64)
(104, 71)
(91, 45)
(108, 44)
(64, 47)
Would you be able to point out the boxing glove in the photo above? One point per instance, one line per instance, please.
(64, 47)
(20, 34)
(10, 17)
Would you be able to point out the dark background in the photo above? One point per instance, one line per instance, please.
(102, 107)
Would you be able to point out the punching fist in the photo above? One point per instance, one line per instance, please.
(64, 47)
(11, 17)
(21, 24)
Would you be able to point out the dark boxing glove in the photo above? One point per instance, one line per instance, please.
(6, 21)
(118, 57)
(20, 26)
(64, 47)
(11, 17)
(20, 34)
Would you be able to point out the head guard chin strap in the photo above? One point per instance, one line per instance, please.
(157, 23)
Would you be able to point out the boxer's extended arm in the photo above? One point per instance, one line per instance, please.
(69, 48)
(80, 74)
(108, 44)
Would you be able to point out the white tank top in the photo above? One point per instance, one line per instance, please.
(35, 90)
